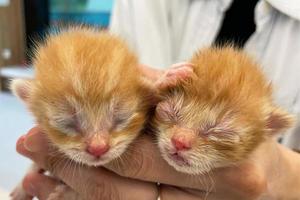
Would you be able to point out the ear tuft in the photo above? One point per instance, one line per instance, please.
(22, 88)
(279, 120)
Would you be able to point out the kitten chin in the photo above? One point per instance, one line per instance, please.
(219, 114)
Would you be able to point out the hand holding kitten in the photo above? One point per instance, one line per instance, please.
(272, 165)
(212, 123)
(267, 166)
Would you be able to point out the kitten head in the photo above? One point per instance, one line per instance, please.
(87, 94)
(219, 116)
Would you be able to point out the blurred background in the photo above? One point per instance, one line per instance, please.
(21, 22)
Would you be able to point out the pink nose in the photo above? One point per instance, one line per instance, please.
(97, 150)
(181, 143)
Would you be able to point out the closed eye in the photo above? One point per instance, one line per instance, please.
(166, 112)
(121, 120)
(74, 124)
(67, 124)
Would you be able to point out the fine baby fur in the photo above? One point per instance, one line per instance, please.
(218, 116)
(88, 95)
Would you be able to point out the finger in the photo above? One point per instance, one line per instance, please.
(39, 185)
(151, 73)
(182, 64)
(94, 179)
(143, 161)
(19, 193)
(31, 143)
(46, 188)
(174, 76)
(170, 193)
(96, 184)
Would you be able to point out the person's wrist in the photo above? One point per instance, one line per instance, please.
(292, 176)
(284, 179)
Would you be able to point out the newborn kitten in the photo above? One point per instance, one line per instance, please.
(218, 116)
(88, 95)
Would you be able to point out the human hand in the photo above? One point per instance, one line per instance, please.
(183, 69)
(149, 73)
(249, 180)
(89, 183)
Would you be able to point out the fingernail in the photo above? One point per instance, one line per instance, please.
(20, 146)
(21, 139)
(33, 142)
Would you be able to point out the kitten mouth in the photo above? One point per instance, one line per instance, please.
(95, 160)
(179, 159)
(98, 158)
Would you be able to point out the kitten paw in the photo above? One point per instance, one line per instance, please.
(176, 74)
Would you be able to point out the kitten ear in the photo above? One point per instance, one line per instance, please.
(22, 88)
(279, 120)
(177, 74)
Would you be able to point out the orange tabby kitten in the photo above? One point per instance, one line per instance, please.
(220, 115)
(88, 95)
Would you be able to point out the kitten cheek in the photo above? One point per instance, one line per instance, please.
(122, 139)
(62, 140)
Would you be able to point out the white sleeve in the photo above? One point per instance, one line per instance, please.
(121, 22)
(276, 44)
(163, 32)
(144, 25)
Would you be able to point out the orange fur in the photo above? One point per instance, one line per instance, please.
(92, 74)
(227, 103)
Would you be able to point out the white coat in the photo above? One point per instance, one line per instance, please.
(164, 32)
